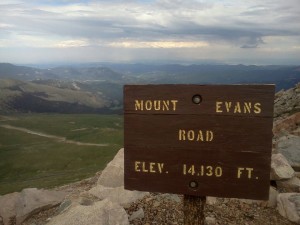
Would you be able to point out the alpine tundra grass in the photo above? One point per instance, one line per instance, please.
(47, 150)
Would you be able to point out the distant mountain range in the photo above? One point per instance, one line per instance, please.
(97, 88)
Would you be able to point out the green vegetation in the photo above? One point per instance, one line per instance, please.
(31, 160)
(10, 89)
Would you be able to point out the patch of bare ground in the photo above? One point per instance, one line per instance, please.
(162, 209)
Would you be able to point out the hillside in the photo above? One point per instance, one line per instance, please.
(283, 76)
(98, 88)
(25, 96)
(10, 71)
(156, 208)
(103, 197)
(105, 191)
(44, 150)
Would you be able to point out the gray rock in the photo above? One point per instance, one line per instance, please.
(19, 206)
(280, 168)
(211, 200)
(288, 205)
(272, 202)
(85, 201)
(100, 213)
(286, 101)
(297, 174)
(118, 195)
(289, 146)
(290, 185)
(289, 125)
(64, 206)
(8, 206)
(210, 220)
(113, 174)
(137, 215)
(156, 204)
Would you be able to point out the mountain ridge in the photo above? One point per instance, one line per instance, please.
(99, 87)
(26, 96)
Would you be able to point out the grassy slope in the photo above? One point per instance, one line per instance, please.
(27, 160)
(10, 89)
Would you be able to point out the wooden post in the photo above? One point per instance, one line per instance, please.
(193, 209)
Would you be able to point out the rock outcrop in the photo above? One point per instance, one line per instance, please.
(18, 206)
(118, 194)
(289, 206)
(289, 146)
(289, 125)
(286, 157)
(290, 185)
(287, 102)
(113, 174)
(102, 212)
(102, 204)
(280, 168)
(139, 214)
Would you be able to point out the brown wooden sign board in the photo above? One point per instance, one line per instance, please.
(202, 140)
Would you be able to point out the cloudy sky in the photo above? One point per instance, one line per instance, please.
(222, 31)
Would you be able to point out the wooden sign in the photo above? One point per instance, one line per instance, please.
(201, 140)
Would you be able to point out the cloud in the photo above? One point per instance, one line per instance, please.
(165, 24)
(253, 42)
(159, 44)
(71, 44)
(163, 19)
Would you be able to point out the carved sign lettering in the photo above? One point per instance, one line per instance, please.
(217, 145)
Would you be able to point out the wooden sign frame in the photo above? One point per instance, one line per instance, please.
(201, 140)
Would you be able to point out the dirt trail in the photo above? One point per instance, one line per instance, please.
(58, 138)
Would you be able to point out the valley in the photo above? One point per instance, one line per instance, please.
(46, 150)
(62, 124)
(98, 87)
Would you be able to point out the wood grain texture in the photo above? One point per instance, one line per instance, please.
(193, 209)
(164, 150)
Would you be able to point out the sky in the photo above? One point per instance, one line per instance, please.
(259, 32)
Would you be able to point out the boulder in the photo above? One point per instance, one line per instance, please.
(286, 126)
(117, 195)
(273, 193)
(290, 185)
(289, 146)
(297, 174)
(64, 206)
(137, 215)
(19, 206)
(8, 207)
(100, 213)
(211, 200)
(296, 132)
(280, 168)
(288, 205)
(286, 102)
(113, 174)
(210, 220)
